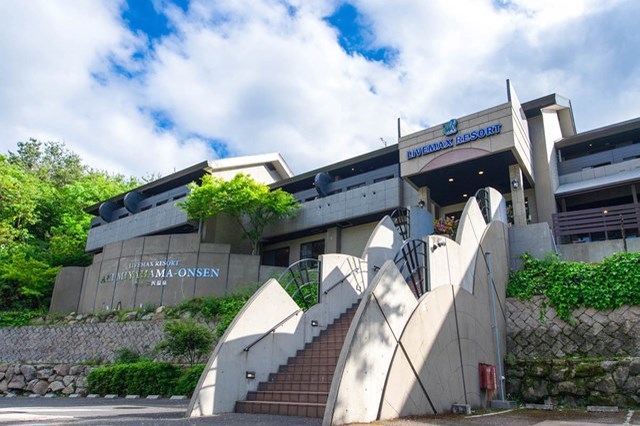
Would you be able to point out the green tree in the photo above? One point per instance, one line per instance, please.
(44, 189)
(253, 205)
(186, 339)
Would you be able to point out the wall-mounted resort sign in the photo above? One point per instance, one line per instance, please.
(451, 128)
(158, 271)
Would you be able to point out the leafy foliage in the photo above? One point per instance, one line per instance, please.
(144, 378)
(253, 205)
(141, 378)
(44, 190)
(569, 285)
(187, 383)
(212, 308)
(128, 356)
(187, 339)
(19, 318)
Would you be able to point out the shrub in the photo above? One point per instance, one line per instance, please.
(18, 318)
(141, 378)
(189, 380)
(128, 356)
(186, 339)
(569, 285)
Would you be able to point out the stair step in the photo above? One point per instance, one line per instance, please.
(280, 408)
(301, 387)
(294, 386)
(301, 377)
(289, 396)
(311, 368)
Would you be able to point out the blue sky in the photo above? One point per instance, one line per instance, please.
(152, 86)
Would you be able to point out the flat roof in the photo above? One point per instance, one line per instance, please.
(197, 171)
(630, 126)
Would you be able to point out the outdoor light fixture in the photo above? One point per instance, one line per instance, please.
(450, 179)
(421, 204)
(481, 172)
(465, 195)
(605, 212)
(250, 375)
(515, 184)
(314, 323)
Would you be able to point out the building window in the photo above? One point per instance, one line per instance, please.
(276, 257)
(312, 250)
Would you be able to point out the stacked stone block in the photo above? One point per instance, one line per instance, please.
(41, 379)
(534, 330)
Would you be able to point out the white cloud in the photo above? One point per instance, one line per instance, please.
(252, 75)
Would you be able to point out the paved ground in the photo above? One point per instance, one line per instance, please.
(81, 411)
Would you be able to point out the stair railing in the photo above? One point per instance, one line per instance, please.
(400, 218)
(301, 280)
(274, 328)
(484, 202)
(411, 261)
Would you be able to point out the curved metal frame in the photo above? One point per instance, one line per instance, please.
(411, 261)
(301, 275)
(484, 202)
(400, 218)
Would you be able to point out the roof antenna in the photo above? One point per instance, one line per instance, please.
(383, 142)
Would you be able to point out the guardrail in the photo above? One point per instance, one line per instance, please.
(609, 222)
(301, 280)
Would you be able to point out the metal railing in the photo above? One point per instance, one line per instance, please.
(411, 261)
(301, 280)
(484, 202)
(272, 330)
(400, 218)
(599, 223)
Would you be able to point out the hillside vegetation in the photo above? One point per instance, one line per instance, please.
(44, 189)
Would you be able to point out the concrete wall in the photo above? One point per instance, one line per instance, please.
(67, 289)
(379, 197)
(151, 221)
(511, 137)
(156, 270)
(535, 239)
(595, 251)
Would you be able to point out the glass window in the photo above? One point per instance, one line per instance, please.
(276, 257)
(312, 250)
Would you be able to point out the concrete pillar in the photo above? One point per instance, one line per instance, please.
(424, 194)
(332, 242)
(517, 195)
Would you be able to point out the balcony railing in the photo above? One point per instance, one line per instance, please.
(599, 159)
(597, 224)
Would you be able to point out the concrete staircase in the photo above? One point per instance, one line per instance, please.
(301, 387)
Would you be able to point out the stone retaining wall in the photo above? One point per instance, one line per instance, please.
(571, 382)
(590, 333)
(77, 343)
(42, 379)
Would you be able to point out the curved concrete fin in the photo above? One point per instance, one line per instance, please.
(383, 244)
(369, 346)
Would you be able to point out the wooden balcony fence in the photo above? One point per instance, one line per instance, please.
(603, 223)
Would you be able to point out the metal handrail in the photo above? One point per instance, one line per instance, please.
(356, 270)
(411, 261)
(303, 273)
(274, 328)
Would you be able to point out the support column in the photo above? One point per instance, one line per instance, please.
(517, 195)
(332, 244)
(424, 194)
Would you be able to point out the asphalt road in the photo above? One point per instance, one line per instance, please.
(100, 411)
